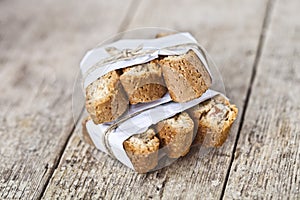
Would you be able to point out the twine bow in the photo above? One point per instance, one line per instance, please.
(119, 55)
(125, 53)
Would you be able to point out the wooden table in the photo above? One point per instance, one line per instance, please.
(255, 43)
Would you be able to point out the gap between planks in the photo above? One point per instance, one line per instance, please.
(261, 43)
(60, 154)
(124, 24)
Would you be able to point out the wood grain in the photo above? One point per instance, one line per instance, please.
(86, 173)
(41, 44)
(267, 160)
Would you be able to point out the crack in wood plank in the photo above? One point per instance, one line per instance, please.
(268, 165)
(56, 162)
(260, 46)
(39, 47)
(130, 12)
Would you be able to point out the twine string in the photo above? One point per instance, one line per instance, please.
(114, 126)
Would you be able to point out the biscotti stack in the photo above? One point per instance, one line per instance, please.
(147, 106)
(184, 77)
(174, 136)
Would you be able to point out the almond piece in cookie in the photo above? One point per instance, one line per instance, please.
(214, 117)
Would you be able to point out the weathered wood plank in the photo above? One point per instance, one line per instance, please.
(230, 30)
(41, 44)
(267, 160)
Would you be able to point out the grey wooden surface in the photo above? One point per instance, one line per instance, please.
(256, 45)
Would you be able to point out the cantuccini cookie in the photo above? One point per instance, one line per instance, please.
(214, 117)
(185, 76)
(143, 83)
(176, 134)
(106, 99)
(142, 150)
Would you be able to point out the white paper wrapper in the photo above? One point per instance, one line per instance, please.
(143, 51)
(152, 114)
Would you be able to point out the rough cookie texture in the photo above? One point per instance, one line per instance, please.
(214, 117)
(143, 83)
(142, 149)
(185, 76)
(106, 99)
(176, 134)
